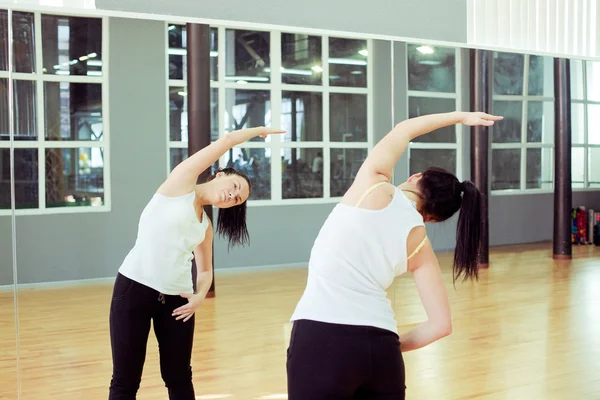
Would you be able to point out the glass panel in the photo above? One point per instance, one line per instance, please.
(72, 45)
(540, 169)
(594, 167)
(248, 56)
(541, 76)
(577, 167)
(23, 42)
(576, 69)
(178, 118)
(75, 177)
(593, 80)
(247, 109)
(176, 155)
(540, 121)
(3, 40)
(577, 123)
(506, 169)
(73, 111)
(348, 60)
(26, 178)
(301, 59)
(256, 164)
(4, 122)
(509, 129)
(593, 127)
(508, 73)
(347, 117)
(177, 37)
(421, 159)
(418, 106)
(25, 110)
(344, 164)
(431, 69)
(302, 116)
(302, 173)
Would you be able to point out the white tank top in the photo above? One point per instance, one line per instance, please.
(354, 259)
(168, 232)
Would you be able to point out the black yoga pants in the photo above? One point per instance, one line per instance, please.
(337, 362)
(133, 307)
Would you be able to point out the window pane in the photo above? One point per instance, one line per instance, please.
(178, 117)
(301, 59)
(508, 73)
(577, 123)
(4, 123)
(256, 164)
(594, 167)
(540, 121)
(26, 178)
(176, 155)
(348, 60)
(302, 173)
(23, 42)
(509, 129)
(344, 164)
(3, 41)
(541, 76)
(539, 169)
(73, 111)
(72, 45)
(594, 123)
(421, 159)
(247, 56)
(418, 106)
(74, 177)
(431, 69)
(593, 80)
(25, 110)
(576, 69)
(506, 169)
(247, 109)
(347, 117)
(577, 167)
(302, 116)
(177, 37)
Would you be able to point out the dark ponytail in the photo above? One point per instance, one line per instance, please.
(468, 233)
(443, 195)
(231, 222)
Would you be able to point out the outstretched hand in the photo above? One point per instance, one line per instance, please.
(479, 118)
(270, 131)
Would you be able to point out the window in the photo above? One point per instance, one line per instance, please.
(585, 124)
(315, 87)
(432, 88)
(60, 135)
(522, 144)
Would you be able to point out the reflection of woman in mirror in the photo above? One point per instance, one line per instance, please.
(154, 283)
(344, 341)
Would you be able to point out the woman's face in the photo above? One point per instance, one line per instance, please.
(228, 190)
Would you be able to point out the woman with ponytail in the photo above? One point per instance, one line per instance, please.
(345, 342)
(154, 283)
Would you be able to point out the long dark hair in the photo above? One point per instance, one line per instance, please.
(231, 222)
(443, 195)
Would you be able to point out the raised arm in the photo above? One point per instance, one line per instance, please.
(385, 154)
(183, 178)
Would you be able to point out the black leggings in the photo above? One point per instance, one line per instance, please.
(132, 309)
(337, 362)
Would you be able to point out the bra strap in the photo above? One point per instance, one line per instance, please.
(418, 247)
(369, 190)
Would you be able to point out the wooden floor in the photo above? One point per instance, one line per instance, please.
(530, 329)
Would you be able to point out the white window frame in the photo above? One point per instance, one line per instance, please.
(586, 144)
(523, 145)
(41, 144)
(276, 88)
(457, 96)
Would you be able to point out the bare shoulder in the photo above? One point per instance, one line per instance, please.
(380, 191)
(418, 243)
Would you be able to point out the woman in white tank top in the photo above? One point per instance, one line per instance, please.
(344, 342)
(154, 283)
